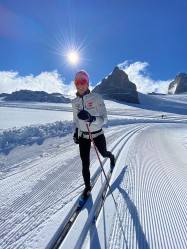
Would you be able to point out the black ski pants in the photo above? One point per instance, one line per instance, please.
(84, 147)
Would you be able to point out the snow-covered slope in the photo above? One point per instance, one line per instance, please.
(40, 175)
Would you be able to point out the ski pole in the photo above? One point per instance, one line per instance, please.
(107, 181)
(100, 161)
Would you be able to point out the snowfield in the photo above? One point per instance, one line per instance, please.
(41, 180)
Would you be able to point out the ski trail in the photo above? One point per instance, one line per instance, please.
(152, 194)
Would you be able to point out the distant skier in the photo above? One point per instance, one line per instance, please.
(89, 107)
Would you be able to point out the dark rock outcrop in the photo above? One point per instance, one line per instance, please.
(117, 86)
(179, 85)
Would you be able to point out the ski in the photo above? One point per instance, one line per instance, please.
(80, 205)
(81, 202)
(103, 196)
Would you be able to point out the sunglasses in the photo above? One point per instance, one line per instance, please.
(81, 82)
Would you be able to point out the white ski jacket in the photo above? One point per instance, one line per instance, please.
(94, 104)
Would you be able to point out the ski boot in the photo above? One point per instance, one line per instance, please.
(112, 162)
(84, 196)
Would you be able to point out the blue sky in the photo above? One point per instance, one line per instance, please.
(149, 37)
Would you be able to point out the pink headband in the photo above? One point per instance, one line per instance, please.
(82, 74)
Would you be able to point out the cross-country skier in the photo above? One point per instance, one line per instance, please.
(89, 107)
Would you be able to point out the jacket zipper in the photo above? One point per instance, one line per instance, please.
(83, 102)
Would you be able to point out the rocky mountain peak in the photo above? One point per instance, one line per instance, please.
(117, 86)
(179, 85)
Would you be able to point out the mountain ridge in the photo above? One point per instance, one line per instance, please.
(38, 96)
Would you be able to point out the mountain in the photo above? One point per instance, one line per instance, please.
(117, 86)
(179, 85)
(38, 96)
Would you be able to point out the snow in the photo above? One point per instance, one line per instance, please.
(15, 118)
(40, 173)
(19, 114)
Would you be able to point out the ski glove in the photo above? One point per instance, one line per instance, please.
(84, 115)
(75, 136)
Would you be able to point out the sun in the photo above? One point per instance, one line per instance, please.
(73, 57)
(72, 50)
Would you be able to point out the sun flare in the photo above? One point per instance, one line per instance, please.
(72, 50)
(73, 58)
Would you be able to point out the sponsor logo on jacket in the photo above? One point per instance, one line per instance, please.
(78, 106)
(90, 105)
